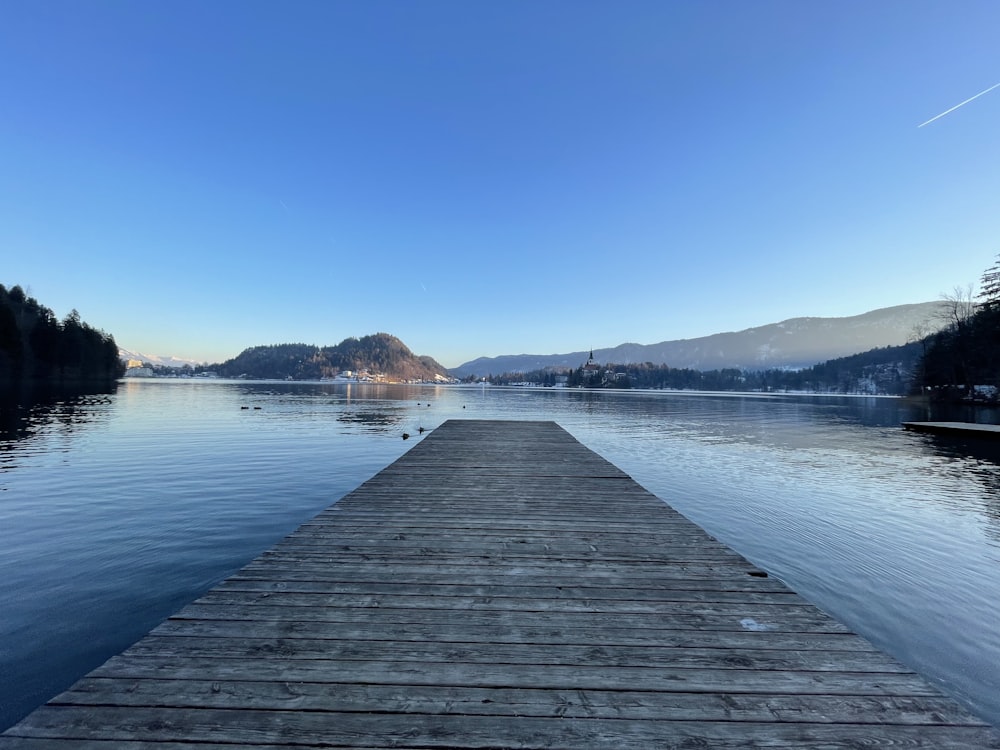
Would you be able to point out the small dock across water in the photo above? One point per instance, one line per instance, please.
(956, 429)
(500, 586)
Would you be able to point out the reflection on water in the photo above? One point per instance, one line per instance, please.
(28, 412)
(373, 419)
(25, 411)
(969, 459)
(181, 482)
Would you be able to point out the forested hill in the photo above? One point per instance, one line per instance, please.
(379, 354)
(35, 347)
(795, 343)
(885, 371)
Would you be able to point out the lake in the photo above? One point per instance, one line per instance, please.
(116, 510)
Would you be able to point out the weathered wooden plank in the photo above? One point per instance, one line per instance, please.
(281, 576)
(462, 537)
(617, 568)
(250, 727)
(340, 698)
(553, 572)
(450, 631)
(730, 572)
(736, 608)
(662, 551)
(500, 586)
(738, 620)
(507, 551)
(332, 521)
(553, 676)
(418, 588)
(482, 652)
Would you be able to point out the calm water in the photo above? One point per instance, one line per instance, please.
(116, 511)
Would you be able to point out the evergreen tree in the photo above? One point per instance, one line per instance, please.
(989, 287)
(966, 353)
(36, 348)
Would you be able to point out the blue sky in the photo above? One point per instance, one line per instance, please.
(485, 178)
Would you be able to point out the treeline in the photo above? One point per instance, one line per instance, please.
(35, 347)
(378, 353)
(885, 371)
(962, 360)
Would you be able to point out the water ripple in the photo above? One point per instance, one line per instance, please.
(115, 513)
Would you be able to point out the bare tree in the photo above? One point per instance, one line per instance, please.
(959, 308)
(957, 313)
(921, 332)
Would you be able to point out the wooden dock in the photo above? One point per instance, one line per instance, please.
(956, 429)
(500, 586)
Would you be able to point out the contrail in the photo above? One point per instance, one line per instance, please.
(962, 104)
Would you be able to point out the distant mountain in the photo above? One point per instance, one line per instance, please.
(155, 359)
(379, 354)
(793, 343)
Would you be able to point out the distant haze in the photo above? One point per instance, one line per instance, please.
(793, 343)
(156, 359)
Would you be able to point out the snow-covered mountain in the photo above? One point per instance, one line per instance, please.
(155, 359)
(793, 343)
